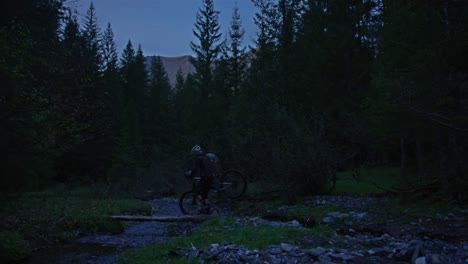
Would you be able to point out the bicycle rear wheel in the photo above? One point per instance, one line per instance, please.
(233, 184)
(189, 204)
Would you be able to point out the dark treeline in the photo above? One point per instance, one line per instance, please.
(329, 85)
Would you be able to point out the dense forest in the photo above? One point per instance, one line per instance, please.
(329, 86)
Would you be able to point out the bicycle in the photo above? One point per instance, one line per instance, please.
(231, 184)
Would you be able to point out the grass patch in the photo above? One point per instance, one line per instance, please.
(281, 208)
(366, 181)
(258, 208)
(410, 209)
(222, 230)
(13, 247)
(34, 219)
(318, 212)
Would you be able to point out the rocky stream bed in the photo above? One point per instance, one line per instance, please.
(361, 236)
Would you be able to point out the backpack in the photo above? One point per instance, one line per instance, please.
(212, 164)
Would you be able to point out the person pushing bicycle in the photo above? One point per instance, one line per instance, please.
(206, 166)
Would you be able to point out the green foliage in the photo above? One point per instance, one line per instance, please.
(160, 119)
(281, 209)
(411, 207)
(13, 247)
(60, 214)
(207, 49)
(365, 181)
(415, 88)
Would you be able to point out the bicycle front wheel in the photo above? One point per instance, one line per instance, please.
(189, 204)
(233, 184)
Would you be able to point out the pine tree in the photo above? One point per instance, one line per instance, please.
(91, 35)
(135, 82)
(140, 79)
(179, 81)
(207, 50)
(109, 50)
(114, 103)
(127, 60)
(236, 50)
(160, 119)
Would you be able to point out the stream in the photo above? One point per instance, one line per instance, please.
(360, 238)
(108, 248)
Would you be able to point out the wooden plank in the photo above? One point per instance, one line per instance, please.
(182, 218)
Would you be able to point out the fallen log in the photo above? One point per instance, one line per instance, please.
(182, 218)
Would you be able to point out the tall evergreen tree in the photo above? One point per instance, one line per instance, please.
(236, 50)
(159, 121)
(140, 79)
(336, 62)
(29, 60)
(135, 82)
(179, 81)
(91, 36)
(114, 103)
(109, 50)
(207, 49)
(126, 62)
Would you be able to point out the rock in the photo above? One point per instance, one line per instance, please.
(358, 215)
(439, 259)
(386, 236)
(418, 251)
(247, 259)
(286, 247)
(420, 260)
(328, 220)
(305, 259)
(325, 259)
(341, 256)
(266, 257)
(335, 214)
(381, 252)
(275, 251)
(316, 251)
(294, 223)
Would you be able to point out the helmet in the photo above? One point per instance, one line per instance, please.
(196, 149)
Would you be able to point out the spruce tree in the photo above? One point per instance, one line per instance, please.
(135, 81)
(159, 121)
(126, 61)
(109, 50)
(207, 49)
(114, 103)
(236, 50)
(91, 35)
(140, 83)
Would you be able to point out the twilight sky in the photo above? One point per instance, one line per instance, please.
(162, 27)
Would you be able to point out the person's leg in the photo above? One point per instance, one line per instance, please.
(208, 186)
(205, 186)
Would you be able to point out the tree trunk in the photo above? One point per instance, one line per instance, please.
(419, 155)
(443, 173)
(402, 158)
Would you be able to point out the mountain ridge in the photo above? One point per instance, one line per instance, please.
(172, 65)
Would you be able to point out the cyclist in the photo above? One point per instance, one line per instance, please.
(207, 166)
